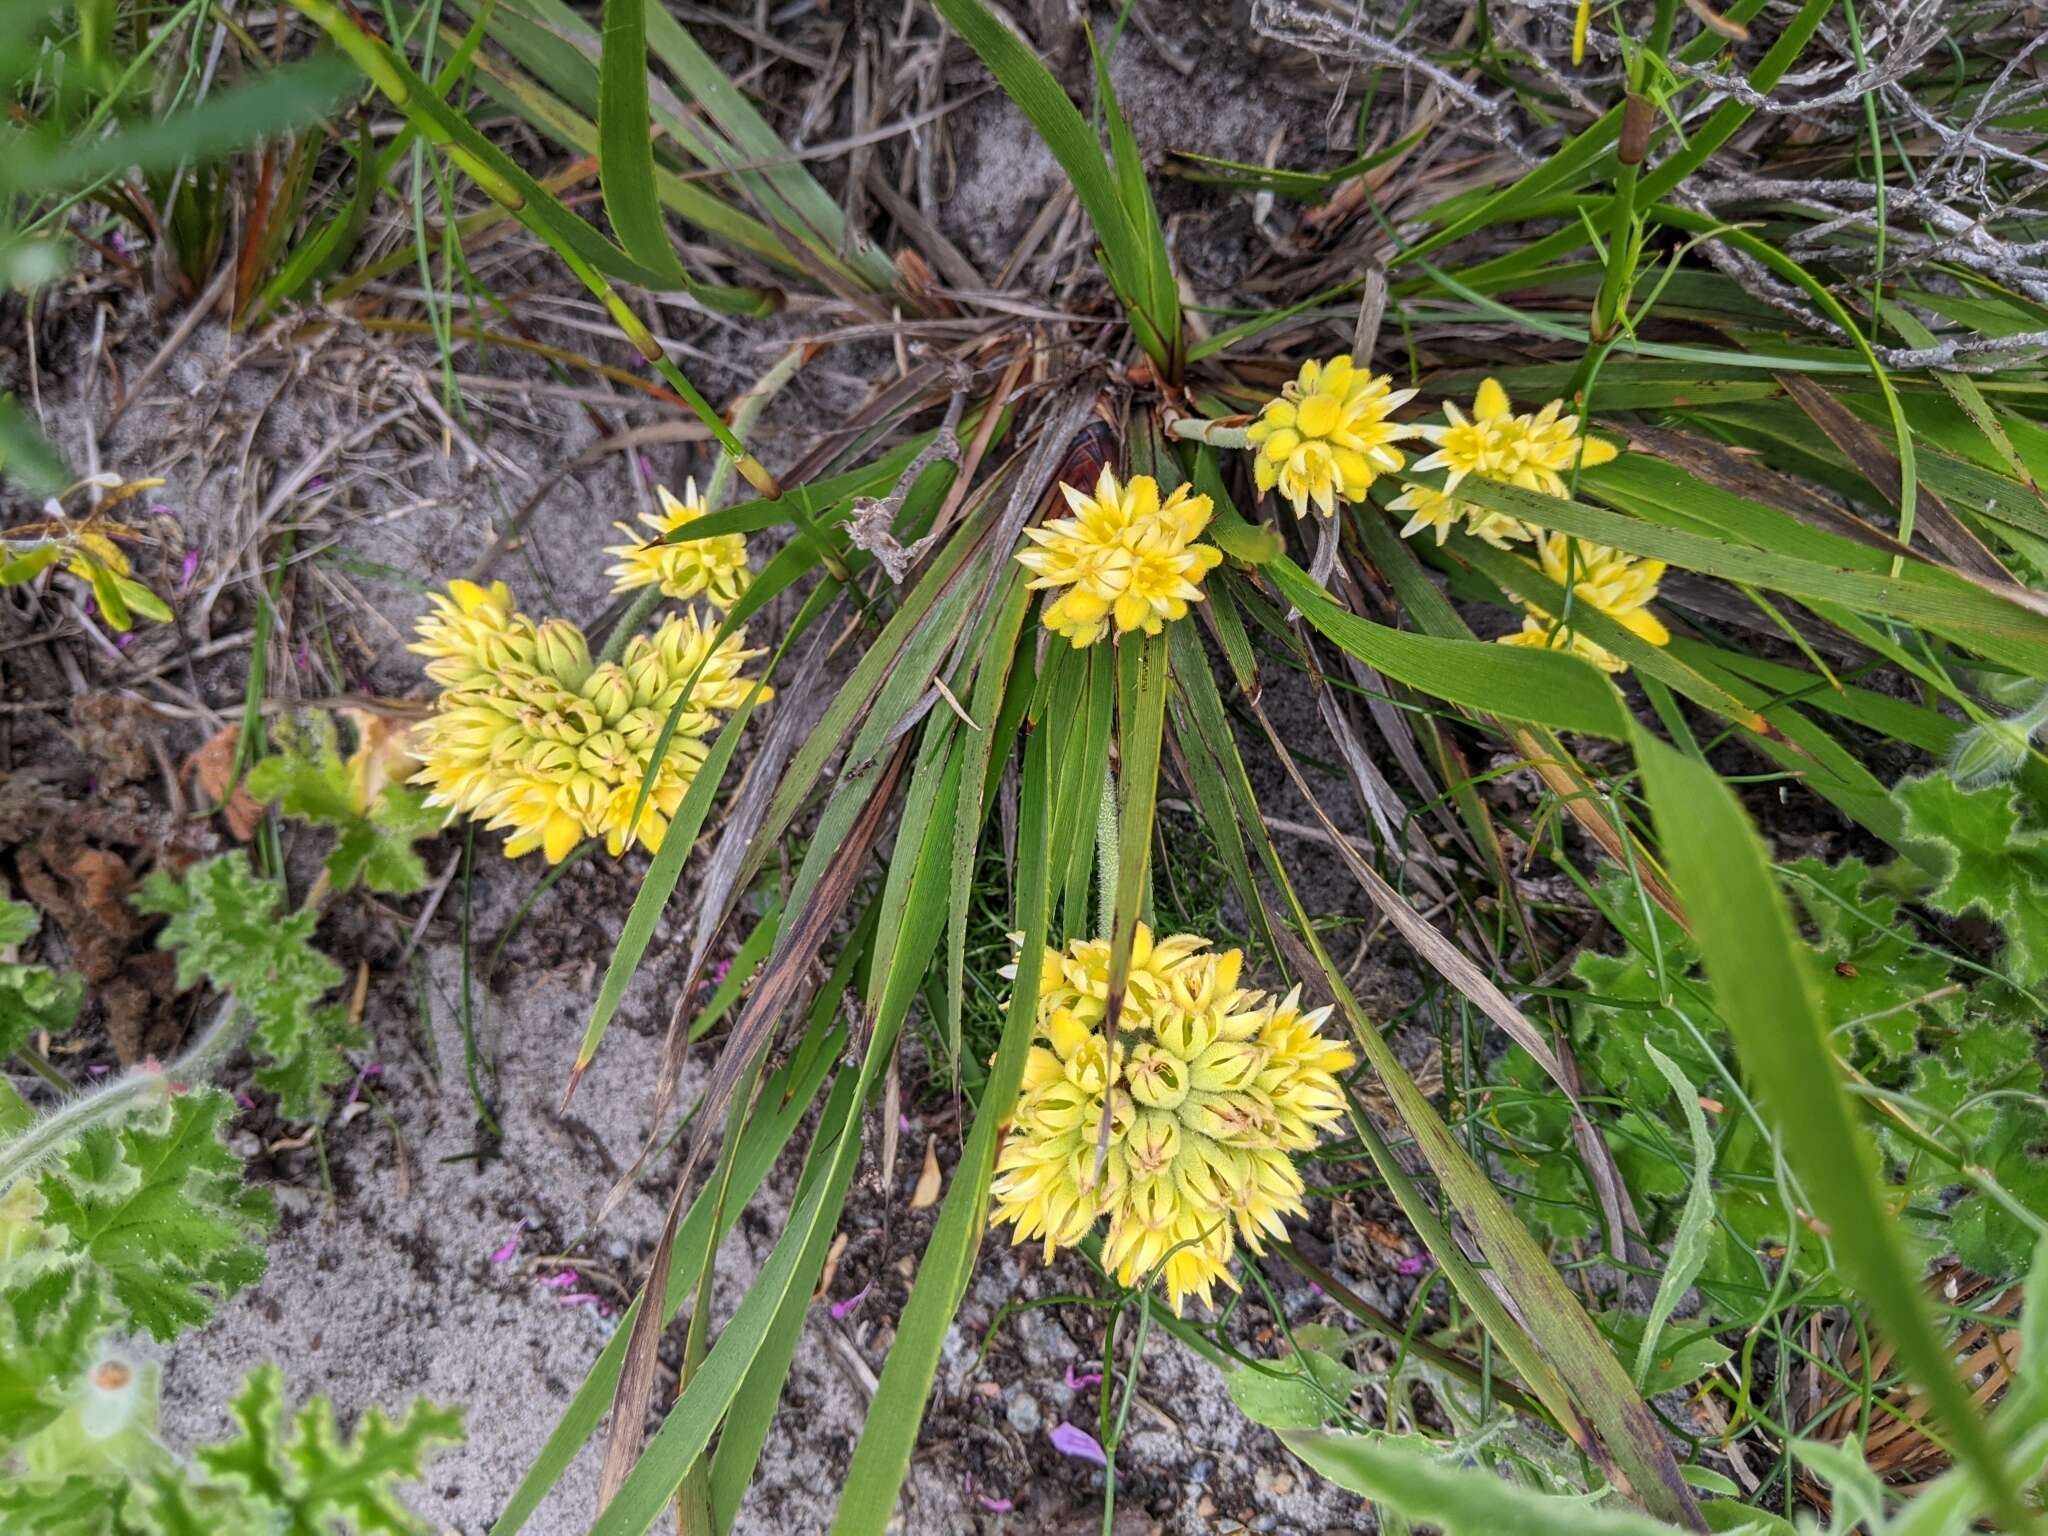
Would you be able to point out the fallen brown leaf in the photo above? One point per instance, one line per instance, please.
(212, 768)
(831, 1270)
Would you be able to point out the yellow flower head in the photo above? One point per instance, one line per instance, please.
(715, 567)
(1328, 436)
(1617, 584)
(1535, 452)
(1123, 558)
(472, 634)
(531, 735)
(1208, 1090)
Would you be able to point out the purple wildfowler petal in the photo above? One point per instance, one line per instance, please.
(124, 639)
(1081, 1381)
(1414, 1264)
(187, 569)
(244, 1100)
(562, 1281)
(1077, 1443)
(316, 485)
(97, 1069)
(1314, 1289)
(995, 1506)
(585, 1299)
(841, 1308)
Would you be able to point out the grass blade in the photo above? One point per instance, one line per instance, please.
(1766, 998)
(867, 1501)
(788, 1097)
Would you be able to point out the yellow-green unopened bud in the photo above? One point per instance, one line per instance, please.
(563, 653)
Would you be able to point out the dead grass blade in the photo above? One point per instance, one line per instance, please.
(1880, 466)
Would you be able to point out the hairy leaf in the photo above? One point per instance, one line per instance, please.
(1986, 861)
(226, 926)
(305, 1471)
(157, 1204)
(32, 997)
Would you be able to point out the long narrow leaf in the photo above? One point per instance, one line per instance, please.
(1767, 999)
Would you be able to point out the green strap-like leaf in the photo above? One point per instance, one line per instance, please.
(1766, 998)
(881, 1460)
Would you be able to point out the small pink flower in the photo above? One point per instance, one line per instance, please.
(589, 1299)
(995, 1506)
(1414, 1264)
(187, 569)
(841, 1308)
(562, 1281)
(1081, 1381)
(505, 1254)
(1314, 1289)
(720, 971)
(1077, 1443)
(244, 1100)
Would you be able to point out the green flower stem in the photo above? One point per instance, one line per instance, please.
(21, 1155)
(1200, 429)
(1106, 856)
(645, 601)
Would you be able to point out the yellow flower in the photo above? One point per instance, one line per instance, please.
(1617, 584)
(1434, 509)
(1484, 444)
(532, 736)
(715, 567)
(1549, 446)
(1328, 436)
(1123, 558)
(1535, 451)
(1208, 1090)
(472, 634)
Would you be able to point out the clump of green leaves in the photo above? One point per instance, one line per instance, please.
(32, 997)
(376, 818)
(1956, 1059)
(228, 927)
(142, 1222)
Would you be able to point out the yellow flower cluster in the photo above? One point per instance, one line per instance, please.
(1534, 451)
(1124, 558)
(1327, 436)
(1617, 584)
(715, 568)
(1209, 1088)
(531, 734)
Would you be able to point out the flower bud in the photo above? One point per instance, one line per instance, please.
(563, 652)
(1988, 754)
